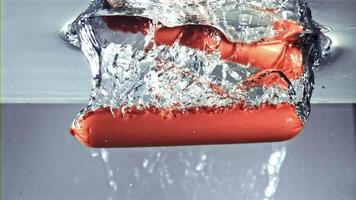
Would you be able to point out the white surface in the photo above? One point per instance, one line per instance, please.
(39, 68)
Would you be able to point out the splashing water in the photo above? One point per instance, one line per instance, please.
(273, 168)
(129, 70)
(192, 173)
(102, 155)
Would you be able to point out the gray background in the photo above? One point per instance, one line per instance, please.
(42, 161)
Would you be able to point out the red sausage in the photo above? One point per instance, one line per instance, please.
(269, 53)
(205, 125)
(149, 128)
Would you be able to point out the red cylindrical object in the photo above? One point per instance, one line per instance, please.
(104, 128)
(236, 124)
(277, 52)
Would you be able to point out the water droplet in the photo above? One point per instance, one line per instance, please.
(145, 163)
(110, 172)
(203, 157)
(200, 166)
(113, 184)
(104, 155)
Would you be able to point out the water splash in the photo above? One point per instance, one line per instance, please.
(102, 155)
(193, 172)
(273, 168)
(128, 70)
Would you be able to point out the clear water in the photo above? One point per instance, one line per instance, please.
(128, 71)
